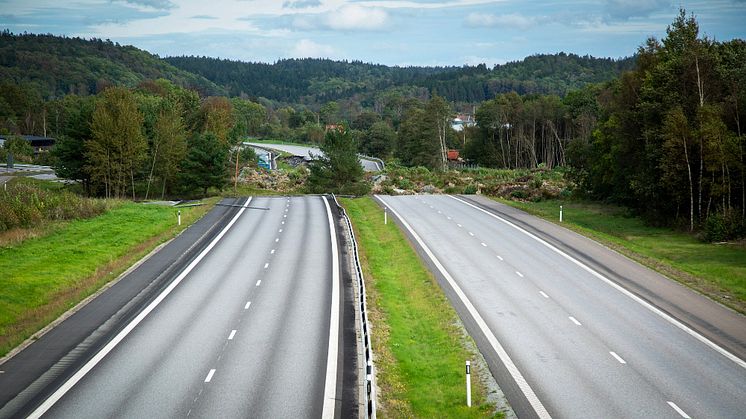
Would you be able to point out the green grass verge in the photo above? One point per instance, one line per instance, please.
(419, 346)
(717, 270)
(45, 276)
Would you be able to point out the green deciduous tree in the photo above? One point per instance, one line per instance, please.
(339, 169)
(205, 164)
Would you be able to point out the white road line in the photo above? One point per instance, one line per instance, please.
(285, 216)
(519, 274)
(449, 218)
(618, 358)
(277, 239)
(459, 225)
(272, 252)
(283, 223)
(543, 294)
(266, 265)
(619, 288)
(280, 231)
(520, 381)
(209, 375)
(440, 212)
(483, 244)
(500, 257)
(248, 304)
(65, 387)
(574, 320)
(330, 383)
(471, 234)
(232, 335)
(259, 282)
(678, 410)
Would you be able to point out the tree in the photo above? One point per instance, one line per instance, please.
(19, 148)
(205, 164)
(379, 140)
(338, 170)
(217, 117)
(168, 147)
(117, 146)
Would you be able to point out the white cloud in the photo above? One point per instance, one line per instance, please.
(354, 17)
(512, 20)
(625, 9)
(306, 48)
(488, 61)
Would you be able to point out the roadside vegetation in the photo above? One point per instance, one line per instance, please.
(418, 341)
(716, 270)
(44, 276)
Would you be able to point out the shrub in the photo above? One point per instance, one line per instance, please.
(470, 189)
(724, 226)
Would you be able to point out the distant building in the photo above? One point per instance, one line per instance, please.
(461, 121)
(39, 144)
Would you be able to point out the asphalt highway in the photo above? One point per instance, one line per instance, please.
(308, 152)
(250, 329)
(560, 336)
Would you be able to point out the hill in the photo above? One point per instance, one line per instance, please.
(321, 80)
(62, 65)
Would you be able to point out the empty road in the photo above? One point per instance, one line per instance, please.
(251, 328)
(565, 337)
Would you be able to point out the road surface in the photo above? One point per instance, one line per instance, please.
(561, 337)
(250, 328)
(307, 152)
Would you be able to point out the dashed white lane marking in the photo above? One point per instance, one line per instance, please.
(248, 304)
(209, 375)
(483, 244)
(678, 410)
(574, 320)
(440, 212)
(449, 218)
(232, 335)
(277, 239)
(500, 257)
(286, 210)
(618, 358)
(459, 225)
(280, 231)
(266, 265)
(543, 294)
(259, 282)
(519, 274)
(282, 223)
(272, 252)
(471, 234)
(738, 361)
(285, 216)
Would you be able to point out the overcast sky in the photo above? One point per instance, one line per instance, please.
(407, 32)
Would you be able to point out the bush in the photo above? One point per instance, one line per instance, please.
(724, 226)
(470, 189)
(25, 204)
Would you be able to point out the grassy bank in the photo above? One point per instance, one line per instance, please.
(717, 270)
(419, 346)
(44, 276)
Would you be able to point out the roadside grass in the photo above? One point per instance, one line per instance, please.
(44, 276)
(418, 343)
(716, 270)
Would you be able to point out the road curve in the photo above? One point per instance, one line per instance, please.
(563, 340)
(244, 331)
(308, 152)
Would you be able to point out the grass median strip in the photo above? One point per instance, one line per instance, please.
(716, 270)
(417, 339)
(45, 276)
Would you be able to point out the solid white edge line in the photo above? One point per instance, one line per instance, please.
(232, 335)
(523, 385)
(330, 384)
(678, 410)
(209, 375)
(619, 288)
(67, 385)
(618, 358)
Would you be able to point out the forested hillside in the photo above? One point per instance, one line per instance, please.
(57, 66)
(319, 80)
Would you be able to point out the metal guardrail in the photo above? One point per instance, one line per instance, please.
(370, 385)
(375, 160)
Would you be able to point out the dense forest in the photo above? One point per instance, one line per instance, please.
(320, 80)
(57, 66)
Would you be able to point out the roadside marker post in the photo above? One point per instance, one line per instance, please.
(179, 216)
(468, 383)
(385, 215)
(560, 213)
